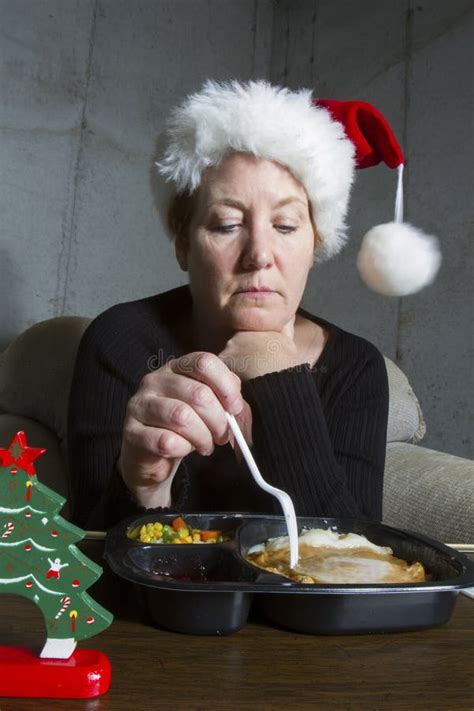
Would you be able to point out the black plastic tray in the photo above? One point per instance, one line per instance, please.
(209, 588)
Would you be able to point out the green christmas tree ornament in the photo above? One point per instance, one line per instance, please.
(38, 556)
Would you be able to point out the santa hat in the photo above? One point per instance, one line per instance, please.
(321, 141)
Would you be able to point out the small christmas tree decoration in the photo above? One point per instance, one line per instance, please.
(39, 561)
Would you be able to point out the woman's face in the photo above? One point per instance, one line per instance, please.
(250, 246)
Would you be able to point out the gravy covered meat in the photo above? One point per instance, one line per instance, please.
(328, 557)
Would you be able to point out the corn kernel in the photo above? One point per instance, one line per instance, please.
(183, 532)
(196, 537)
(146, 539)
(188, 539)
(177, 540)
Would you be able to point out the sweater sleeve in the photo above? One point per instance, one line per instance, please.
(329, 456)
(113, 356)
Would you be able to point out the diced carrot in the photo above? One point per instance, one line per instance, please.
(206, 535)
(178, 523)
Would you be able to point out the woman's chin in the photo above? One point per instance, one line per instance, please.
(257, 321)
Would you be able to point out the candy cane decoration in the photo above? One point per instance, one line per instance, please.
(66, 602)
(9, 526)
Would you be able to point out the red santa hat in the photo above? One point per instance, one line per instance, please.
(321, 141)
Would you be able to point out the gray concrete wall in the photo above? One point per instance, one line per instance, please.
(85, 86)
(414, 61)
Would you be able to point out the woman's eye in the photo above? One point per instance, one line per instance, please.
(224, 229)
(286, 228)
(229, 229)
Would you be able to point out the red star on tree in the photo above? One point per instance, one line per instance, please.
(20, 454)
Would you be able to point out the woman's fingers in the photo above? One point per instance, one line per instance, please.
(184, 405)
(172, 420)
(209, 369)
(148, 444)
(205, 387)
(199, 396)
(176, 410)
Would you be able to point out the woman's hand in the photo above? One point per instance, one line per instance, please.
(176, 409)
(249, 354)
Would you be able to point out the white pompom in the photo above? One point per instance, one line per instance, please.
(397, 259)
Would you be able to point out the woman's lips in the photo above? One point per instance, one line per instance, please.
(254, 290)
(256, 295)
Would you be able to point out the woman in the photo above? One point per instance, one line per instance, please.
(250, 213)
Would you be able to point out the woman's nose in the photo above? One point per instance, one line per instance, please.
(257, 250)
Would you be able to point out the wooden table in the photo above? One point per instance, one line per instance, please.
(260, 667)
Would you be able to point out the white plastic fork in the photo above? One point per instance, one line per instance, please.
(285, 500)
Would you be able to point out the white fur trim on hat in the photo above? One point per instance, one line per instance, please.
(397, 259)
(274, 123)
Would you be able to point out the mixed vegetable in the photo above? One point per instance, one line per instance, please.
(177, 532)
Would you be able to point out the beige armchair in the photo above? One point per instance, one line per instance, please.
(424, 490)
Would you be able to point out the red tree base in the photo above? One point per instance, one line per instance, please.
(86, 673)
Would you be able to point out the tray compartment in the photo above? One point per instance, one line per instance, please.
(359, 609)
(201, 612)
(210, 522)
(196, 564)
(358, 613)
(163, 574)
(193, 611)
(440, 562)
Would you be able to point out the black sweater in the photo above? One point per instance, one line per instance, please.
(318, 433)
